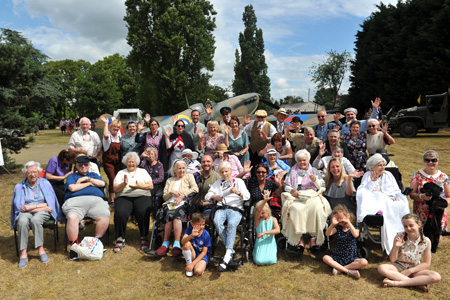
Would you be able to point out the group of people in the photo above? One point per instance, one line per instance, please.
(297, 178)
(65, 124)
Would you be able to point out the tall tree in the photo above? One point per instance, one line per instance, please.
(250, 68)
(324, 95)
(331, 72)
(402, 51)
(291, 100)
(172, 50)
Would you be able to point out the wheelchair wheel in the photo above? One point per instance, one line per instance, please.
(282, 243)
(363, 252)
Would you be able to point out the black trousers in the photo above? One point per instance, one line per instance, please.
(59, 192)
(124, 206)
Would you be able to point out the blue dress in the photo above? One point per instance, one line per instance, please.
(236, 145)
(346, 251)
(265, 251)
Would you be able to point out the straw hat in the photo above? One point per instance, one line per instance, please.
(280, 111)
(222, 148)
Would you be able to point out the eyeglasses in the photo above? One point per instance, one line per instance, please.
(180, 126)
(261, 172)
(259, 117)
(370, 126)
(320, 117)
(83, 164)
(432, 160)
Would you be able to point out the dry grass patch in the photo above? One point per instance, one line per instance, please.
(132, 274)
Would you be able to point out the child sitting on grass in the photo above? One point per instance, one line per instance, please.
(345, 257)
(265, 251)
(196, 241)
(409, 247)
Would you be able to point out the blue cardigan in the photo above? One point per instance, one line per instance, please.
(18, 199)
(281, 164)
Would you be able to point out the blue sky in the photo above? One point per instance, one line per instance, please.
(297, 33)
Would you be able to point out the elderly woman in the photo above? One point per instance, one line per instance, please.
(229, 193)
(380, 194)
(177, 141)
(276, 165)
(333, 141)
(129, 143)
(305, 211)
(133, 186)
(154, 168)
(430, 173)
(211, 140)
(238, 141)
(377, 139)
(177, 189)
(282, 146)
(111, 152)
(33, 203)
(58, 168)
(321, 162)
(154, 139)
(357, 145)
(339, 186)
(259, 183)
(223, 154)
(190, 158)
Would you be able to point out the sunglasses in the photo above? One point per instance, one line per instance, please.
(83, 164)
(370, 126)
(433, 160)
(320, 117)
(259, 117)
(180, 126)
(261, 172)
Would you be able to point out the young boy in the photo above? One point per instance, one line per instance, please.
(196, 241)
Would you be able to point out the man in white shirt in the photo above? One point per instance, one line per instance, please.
(85, 141)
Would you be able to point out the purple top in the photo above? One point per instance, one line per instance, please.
(55, 167)
(156, 171)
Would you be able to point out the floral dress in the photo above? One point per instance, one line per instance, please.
(419, 206)
(357, 148)
(212, 144)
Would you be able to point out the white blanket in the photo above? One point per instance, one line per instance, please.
(307, 214)
(370, 199)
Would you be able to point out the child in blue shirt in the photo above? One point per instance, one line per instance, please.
(196, 241)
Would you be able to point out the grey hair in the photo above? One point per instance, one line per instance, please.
(302, 153)
(172, 170)
(373, 120)
(131, 154)
(84, 118)
(308, 129)
(215, 123)
(337, 148)
(374, 160)
(31, 163)
(224, 164)
(431, 153)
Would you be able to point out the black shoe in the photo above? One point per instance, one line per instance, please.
(314, 249)
(222, 267)
(73, 255)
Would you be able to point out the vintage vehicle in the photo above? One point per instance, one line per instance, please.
(431, 117)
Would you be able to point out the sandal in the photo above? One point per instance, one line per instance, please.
(144, 243)
(118, 248)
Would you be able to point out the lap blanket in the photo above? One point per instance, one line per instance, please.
(305, 214)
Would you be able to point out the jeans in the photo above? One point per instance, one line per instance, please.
(233, 217)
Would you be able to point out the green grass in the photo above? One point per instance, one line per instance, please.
(131, 274)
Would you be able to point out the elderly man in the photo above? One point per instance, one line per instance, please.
(85, 141)
(33, 203)
(350, 115)
(321, 130)
(194, 127)
(205, 179)
(84, 198)
(281, 115)
(306, 141)
(260, 131)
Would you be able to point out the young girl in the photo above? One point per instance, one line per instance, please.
(265, 251)
(345, 257)
(405, 268)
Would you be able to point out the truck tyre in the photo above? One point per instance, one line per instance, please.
(408, 130)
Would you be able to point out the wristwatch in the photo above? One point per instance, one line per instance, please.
(37, 205)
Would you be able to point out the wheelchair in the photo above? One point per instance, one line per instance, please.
(245, 230)
(370, 227)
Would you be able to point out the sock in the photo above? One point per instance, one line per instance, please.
(166, 243)
(176, 244)
(187, 256)
(227, 256)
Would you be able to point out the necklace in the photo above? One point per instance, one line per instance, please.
(132, 176)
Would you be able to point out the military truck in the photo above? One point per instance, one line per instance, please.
(431, 117)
